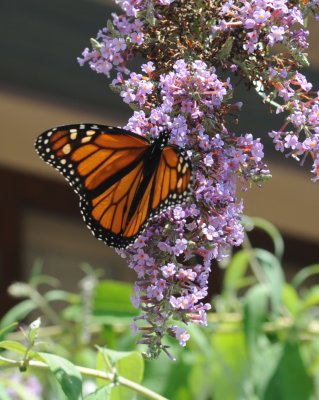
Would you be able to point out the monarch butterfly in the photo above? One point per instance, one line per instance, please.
(122, 178)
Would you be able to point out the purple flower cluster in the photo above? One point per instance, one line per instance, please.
(299, 135)
(202, 230)
(113, 45)
(182, 92)
(132, 7)
(265, 22)
(207, 93)
(116, 43)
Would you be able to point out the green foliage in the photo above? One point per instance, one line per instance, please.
(65, 373)
(128, 365)
(261, 342)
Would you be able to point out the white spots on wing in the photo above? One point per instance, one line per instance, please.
(86, 139)
(74, 134)
(184, 169)
(66, 149)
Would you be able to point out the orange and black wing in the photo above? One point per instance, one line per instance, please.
(170, 184)
(104, 165)
(109, 169)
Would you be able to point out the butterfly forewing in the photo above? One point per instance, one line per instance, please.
(107, 167)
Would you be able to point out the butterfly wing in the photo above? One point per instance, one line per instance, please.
(169, 185)
(104, 166)
(107, 167)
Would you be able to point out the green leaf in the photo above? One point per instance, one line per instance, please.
(102, 393)
(113, 299)
(255, 313)
(7, 329)
(290, 380)
(236, 270)
(228, 365)
(264, 363)
(199, 338)
(304, 274)
(95, 44)
(311, 298)
(66, 374)
(165, 377)
(13, 346)
(290, 299)
(18, 312)
(129, 365)
(273, 276)
(226, 48)
(33, 331)
(61, 295)
(198, 382)
(271, 230)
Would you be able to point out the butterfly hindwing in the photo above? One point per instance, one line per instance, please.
(122, 179)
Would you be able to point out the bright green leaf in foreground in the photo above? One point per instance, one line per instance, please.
(102, 393)
(290, 380)
(255, 313)
(229, 366)
(129, 365)
(66, 374)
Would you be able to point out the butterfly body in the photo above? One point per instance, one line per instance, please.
(122, 178)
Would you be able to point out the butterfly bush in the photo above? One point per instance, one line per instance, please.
(194, 53)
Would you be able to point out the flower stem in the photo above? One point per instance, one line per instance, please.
(9, 363)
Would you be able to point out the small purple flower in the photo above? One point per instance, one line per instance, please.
(181, 335)
(148, 67)
(137, 37)
(180, 246)
(210, 232)
(291, 141)
(297, 118)
(168, 270)
(179, 213)
(128, 96)
(186, 274)
(276, 34)
(249, 23)
(208, 160)
(261, 16)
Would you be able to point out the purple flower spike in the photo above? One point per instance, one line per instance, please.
(180, 90)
